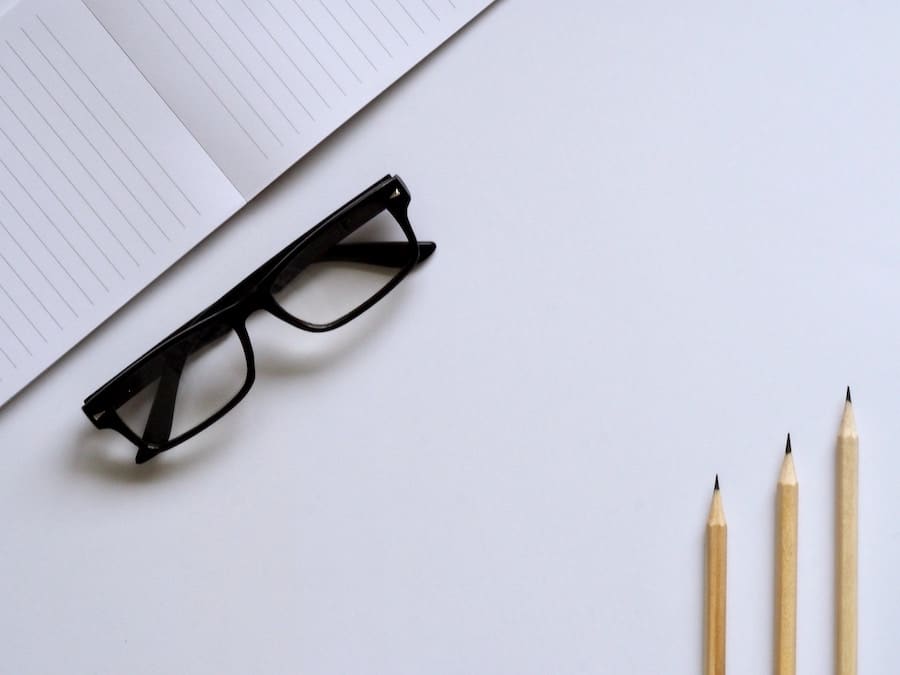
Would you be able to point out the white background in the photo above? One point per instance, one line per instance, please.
(667, 236)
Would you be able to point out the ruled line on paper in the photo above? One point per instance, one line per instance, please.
(290, 58)
(369, 28)
(431, 9)
(77, 158)
(347, 33)
(28, 287)
(411, 17)
(91, 158)
(69, 181)
(81, 132)
(302, 42)
(221, 70)
(75, 155)
(249, 72)
(6, 356)
(153, 87)
(105, 129)
(38, 268)
(197, 72)
(118, 114)
(268, 63)
(43, 243)
(390, 23)
(53, 224)
(23, 313)
(16, 335)
(324, 37)
(65, 206)
(68, 242)
(263, 59)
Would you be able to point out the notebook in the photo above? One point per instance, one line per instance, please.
(130, 130)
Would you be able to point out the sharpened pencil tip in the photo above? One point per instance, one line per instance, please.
(849, 400)
(787, 447)
(716, 487)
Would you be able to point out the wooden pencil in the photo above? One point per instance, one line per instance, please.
(847, 524)
(716, 568)
(786, 510)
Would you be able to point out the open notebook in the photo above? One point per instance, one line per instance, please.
(129, 130)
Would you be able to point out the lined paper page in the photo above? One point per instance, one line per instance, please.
(260, 82)
(101, 186)
(130, 130)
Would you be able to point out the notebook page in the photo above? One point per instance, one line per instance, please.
(261, 82)
(101, 186)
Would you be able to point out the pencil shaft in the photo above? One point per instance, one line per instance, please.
(716, 573)
(787, 503)
(847, 524)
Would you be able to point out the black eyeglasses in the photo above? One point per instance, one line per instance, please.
(327, 277)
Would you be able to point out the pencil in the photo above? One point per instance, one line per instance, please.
(716, 565)
(847, 524)
(786, 505)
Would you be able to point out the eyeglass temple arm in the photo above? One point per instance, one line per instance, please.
(162, 412)
(381, 253)
(386, 254)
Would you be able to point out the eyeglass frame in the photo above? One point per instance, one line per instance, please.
(256, 293)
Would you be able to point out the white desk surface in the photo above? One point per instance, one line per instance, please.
(667, 236)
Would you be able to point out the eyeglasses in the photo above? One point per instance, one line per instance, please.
(327, 277)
